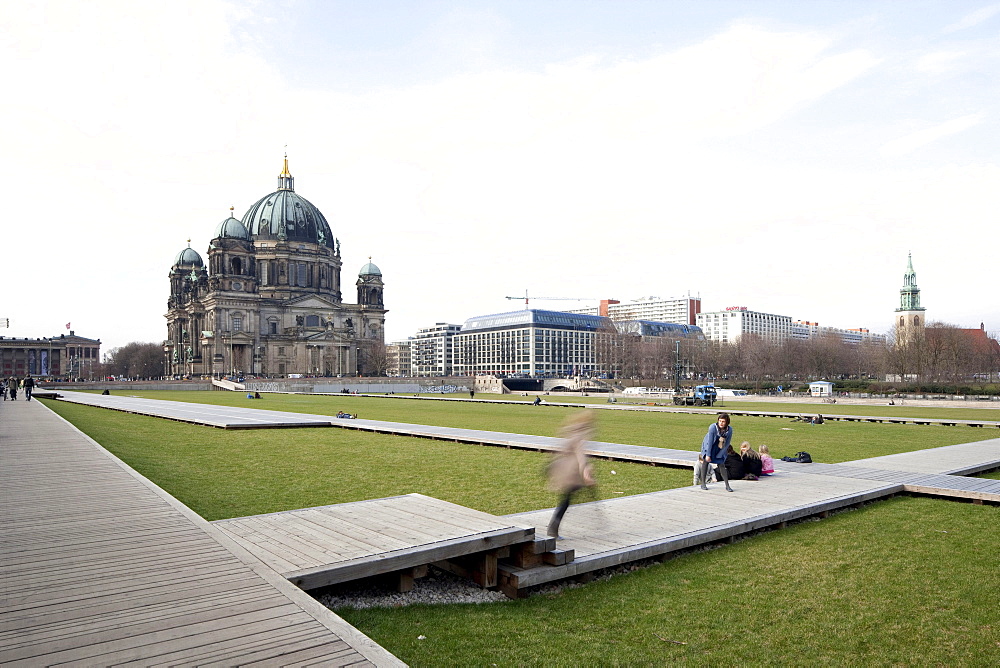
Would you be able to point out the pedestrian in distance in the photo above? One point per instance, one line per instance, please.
(3, 388)
(12, 387)
(29, 385)
(714, 448)
(570, 471)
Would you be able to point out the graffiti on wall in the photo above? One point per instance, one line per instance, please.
(442, 389)
(263, 387)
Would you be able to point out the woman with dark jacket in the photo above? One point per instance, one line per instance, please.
(714, 447)
(733, 467)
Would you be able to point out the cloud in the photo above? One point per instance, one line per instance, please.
(939, 62)
(612, 174)
(911, 142)
(973, 19)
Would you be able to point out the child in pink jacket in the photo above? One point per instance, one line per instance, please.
(766, 461)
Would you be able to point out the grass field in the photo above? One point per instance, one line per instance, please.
(907, 581)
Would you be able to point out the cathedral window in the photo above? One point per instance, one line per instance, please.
(312, 321)
(236, 265)
(237, 323)
(273, 324)
(302, 275)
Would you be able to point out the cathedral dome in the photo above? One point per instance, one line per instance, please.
(231, 228)
(284, 215)
(188, 257)
(369, 270)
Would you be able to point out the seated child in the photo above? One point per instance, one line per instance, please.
(767, 463)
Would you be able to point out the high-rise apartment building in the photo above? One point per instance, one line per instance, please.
(431, 350)
(681, 310)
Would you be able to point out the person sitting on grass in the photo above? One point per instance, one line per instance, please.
(766, 461)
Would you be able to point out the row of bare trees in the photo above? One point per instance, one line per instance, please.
(135, 360)
(945, 354)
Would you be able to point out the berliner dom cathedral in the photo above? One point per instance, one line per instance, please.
(268, 301)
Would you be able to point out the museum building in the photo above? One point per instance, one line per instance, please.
(268, 301)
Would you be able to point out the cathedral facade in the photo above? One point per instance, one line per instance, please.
(269, 300)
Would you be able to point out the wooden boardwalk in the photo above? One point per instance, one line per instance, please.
(732, 408)
(315, 547)
(228, 417)
(100, 566)
(603, 534)
(600, 534)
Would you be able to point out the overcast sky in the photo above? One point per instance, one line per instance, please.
(783, 156)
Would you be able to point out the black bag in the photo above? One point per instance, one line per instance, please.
(803, 458)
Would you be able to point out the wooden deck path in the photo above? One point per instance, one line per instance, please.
(615, 531)
(258, 418)
(315, 547)
(607, 533)
(603, 534)
(99, 566)
(732, 408)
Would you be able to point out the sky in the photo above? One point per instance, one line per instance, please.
(783, 156)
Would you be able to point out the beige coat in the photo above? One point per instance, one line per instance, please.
(569, 469)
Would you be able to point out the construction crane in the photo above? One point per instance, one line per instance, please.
(569, 299)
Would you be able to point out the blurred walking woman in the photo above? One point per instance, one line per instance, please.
(570, 471)
(714, 448)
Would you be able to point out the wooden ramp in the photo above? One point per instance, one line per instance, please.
(315, 547)
(608, 533)
(100, 566)
(960, 459)
(223, 417)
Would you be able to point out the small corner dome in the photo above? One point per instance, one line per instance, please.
(231, 228)
(189, 256)
(369, 270)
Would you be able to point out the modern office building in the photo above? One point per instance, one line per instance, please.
(729, 325)
(431, 350)
(533, 343)
(667, 330)
(269, 299)
(805, 330)
(536, 343)
(682, 310)
(64, 356)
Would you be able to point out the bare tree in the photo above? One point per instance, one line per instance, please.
(136, 360)
(374, 357)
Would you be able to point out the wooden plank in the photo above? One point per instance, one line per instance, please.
(99, 571)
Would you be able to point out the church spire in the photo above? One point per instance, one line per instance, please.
(285, 179)
(909, 294)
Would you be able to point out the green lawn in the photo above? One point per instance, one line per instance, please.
(906, 581)
(233, 473)
(830, 442)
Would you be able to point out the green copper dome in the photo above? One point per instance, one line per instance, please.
(284, 215)
(369, 270)
(231, 228)
(189, 257)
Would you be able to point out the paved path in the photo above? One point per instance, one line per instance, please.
(101, 566)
